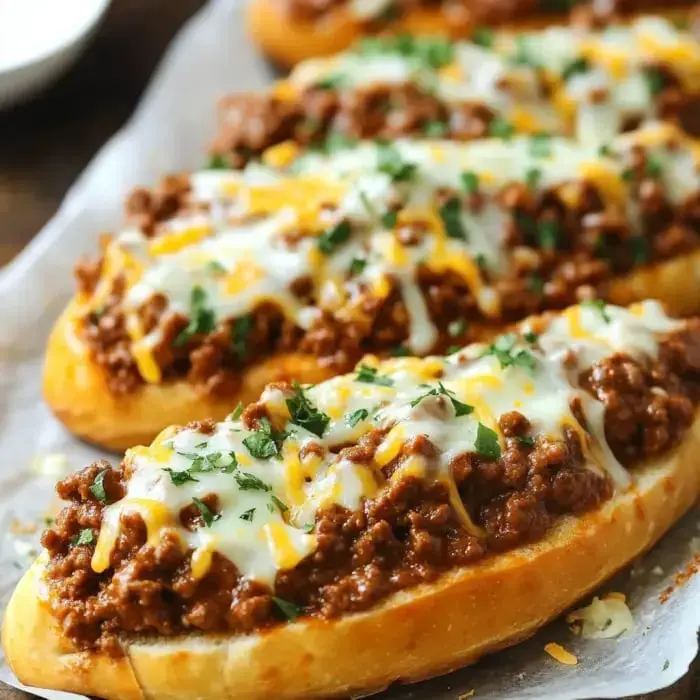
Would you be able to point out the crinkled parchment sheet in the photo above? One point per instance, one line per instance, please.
(168, 132)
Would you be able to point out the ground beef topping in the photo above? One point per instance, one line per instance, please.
(389, 87)
(506, 490)
(370, 274)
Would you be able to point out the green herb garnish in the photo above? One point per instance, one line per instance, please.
(451, 215)
(265, 442)
(456, 328)
(470, 182)
(598, 305)
(201, 321)
(352, 419)
(548, 234)
(331, 82)
(461, 409)
(400, 351)
(84, 537)
(434, 128)
(486, 443)
(369, 375)
(390, 161)
(236, 413)
(286, 609)
(305, 414)
(500, 128)
(504, 350)
(525, 440)
(357, 266)
(578, 65)
(208, 516)
(239, 335)
(248, 515)
(330, 239)
(217, 162)
(97, 488)
(541, 145)
(483, 36)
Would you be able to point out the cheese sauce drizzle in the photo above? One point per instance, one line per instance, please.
(335, 220)
(269, 484)
(563, 79)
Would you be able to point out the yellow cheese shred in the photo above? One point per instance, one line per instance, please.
(558, 653)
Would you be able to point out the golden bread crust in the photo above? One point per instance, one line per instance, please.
(75, 389)
(412, 635)
(288, 41)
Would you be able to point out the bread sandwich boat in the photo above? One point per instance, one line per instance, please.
(589, 83)
(291, 31)
(389, 524)
(226, 280)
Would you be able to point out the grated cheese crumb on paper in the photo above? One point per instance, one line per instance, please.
(605, 618)
(558, 653)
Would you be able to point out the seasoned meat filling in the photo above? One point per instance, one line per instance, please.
(408, 534)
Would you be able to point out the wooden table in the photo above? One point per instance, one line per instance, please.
(46, 143)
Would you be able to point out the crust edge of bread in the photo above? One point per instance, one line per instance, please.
(76, 391)
(412, 635)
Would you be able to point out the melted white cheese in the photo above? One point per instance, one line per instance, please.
(266, 507)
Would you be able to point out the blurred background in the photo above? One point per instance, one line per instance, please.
(47, 140)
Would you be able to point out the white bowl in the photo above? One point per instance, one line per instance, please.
(40, 40)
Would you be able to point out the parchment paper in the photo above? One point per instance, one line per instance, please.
(211, 56)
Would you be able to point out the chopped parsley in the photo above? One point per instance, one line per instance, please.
(541, 145)
(605, 151)
(532, 178)
(598, 305)
(483, 36)
(283, 507)
(451, 215)
(390, 161)
(503, 349)
(330, 239)
(655, 80)
(86, 536)
(461, 409)
(48, 522)
(264, 442)
(486, 443)
(179, 477)
(331, 82)
(308, 527)
(433, 52)
(248, 515)
(640, 249)
(667, 663)
(500, 128)
(352, 419)
(389, 219)
(522, 54)
(217, 162)
(202, 319)
(305, 414)
(249, 482)
(401, 351)
(434, 128)
(578, 65)
(239, 335)
(470, 182)
(531, 337)
(357, 266)
(525, 440)
(202, 464)
(286, 609)
(215, 268)
(369, 375)
(236, 413)
(548, 234)
(337, 141)
(654, 167)
(97, 488)
(208, 516)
